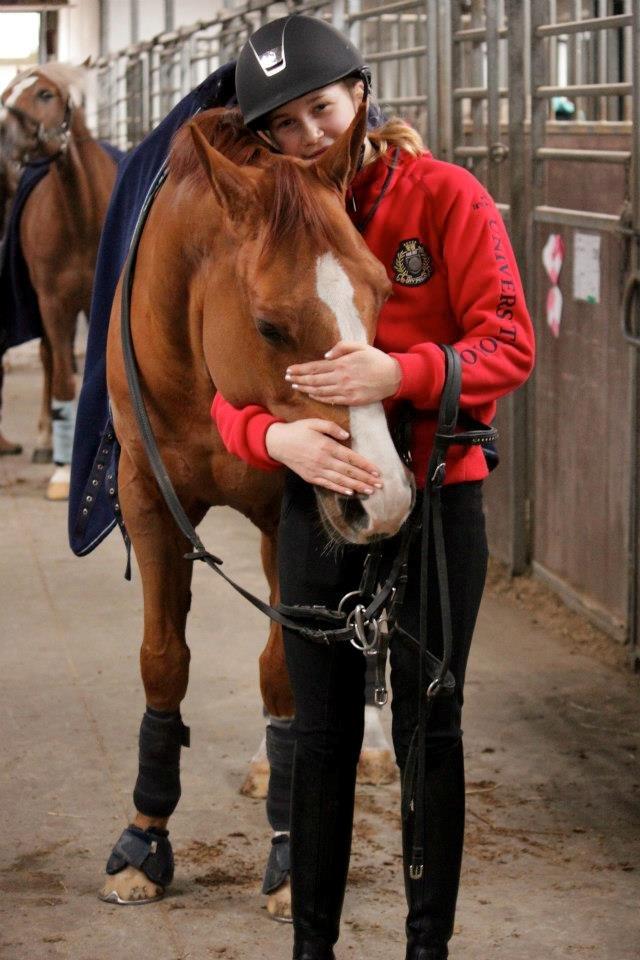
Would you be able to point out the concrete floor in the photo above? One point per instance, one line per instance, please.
(552, 866)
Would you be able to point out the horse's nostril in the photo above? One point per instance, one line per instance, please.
(353, 511)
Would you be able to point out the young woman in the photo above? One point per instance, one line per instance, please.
(299, 82)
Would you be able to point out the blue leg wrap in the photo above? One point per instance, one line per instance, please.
(157, 789)
(148, 850)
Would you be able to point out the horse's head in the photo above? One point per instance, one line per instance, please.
(37, 110)
(298, 279)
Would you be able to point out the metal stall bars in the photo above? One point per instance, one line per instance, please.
(487, 106)
(399, 40)
(586, 476)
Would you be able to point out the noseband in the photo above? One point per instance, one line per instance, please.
(44, 135)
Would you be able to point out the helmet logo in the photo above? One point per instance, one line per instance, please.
(272, 61)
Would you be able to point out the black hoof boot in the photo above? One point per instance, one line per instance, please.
(309, 950)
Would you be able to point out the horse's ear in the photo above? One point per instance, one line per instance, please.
(340, 162)
(232, 186)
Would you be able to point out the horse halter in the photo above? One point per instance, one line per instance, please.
(44, 135)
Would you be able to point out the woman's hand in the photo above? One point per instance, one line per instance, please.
(351, 374)
(312, 449)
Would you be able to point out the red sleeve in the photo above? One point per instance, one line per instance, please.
(243, 431)
(486, 297)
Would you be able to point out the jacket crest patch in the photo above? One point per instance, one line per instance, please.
(412, 264)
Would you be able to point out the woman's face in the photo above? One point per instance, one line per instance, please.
(306, 127)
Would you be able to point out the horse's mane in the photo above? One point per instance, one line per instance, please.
(292, 209)
(69, 80)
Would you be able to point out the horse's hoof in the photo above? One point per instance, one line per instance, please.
(256, 784)
(279, 904)
(42, 455)
(130, 886)
(58, 488)
(376, 767)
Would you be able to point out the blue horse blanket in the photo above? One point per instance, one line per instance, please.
(92, 508)
(20, 318)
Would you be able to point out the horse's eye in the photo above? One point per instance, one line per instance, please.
(45, 95)
(272, 334)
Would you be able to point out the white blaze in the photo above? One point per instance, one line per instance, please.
(19, 89)
(368, 424)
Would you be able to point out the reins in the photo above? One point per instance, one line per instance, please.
(367, 617)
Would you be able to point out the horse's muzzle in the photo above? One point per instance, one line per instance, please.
(363, 520)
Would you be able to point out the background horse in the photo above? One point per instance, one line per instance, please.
(59, 232)
(241, 271)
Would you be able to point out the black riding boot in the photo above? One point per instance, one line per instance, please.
(321, 824)
(432, 899)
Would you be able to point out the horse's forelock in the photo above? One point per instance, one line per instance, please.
(295, 209)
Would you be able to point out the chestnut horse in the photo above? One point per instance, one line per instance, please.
(248, 262)
(59, 234)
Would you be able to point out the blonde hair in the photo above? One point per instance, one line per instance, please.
(396, 132)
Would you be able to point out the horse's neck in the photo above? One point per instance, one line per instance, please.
(181, 246)
(79, 178)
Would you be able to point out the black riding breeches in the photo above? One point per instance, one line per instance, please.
(328, 686)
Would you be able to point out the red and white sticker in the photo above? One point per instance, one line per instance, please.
(552, 260)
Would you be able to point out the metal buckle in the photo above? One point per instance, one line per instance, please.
(434, 688)
(416, 871)
(380, 696)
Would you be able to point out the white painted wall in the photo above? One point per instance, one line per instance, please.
(79, 31)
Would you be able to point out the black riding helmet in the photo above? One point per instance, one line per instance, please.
(289, 57)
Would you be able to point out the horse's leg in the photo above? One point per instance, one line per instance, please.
(278, 700)
(59, 323)
(141, 864)
(43, 452)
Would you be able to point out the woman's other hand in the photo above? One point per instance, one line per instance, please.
(313, 449)
(351, 374)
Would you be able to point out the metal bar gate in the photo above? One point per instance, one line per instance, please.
(537, 98)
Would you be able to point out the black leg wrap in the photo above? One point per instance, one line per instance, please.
(148, 850)
(278, 864)
(157, 789)
(280, 744)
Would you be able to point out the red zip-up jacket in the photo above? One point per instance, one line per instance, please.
(455, 280)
